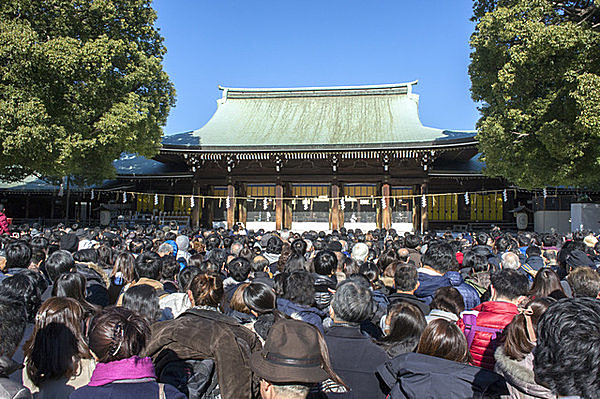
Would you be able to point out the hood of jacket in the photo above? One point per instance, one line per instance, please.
(519, 374)
(430, 284)
(8, 366)
(414, 375)
(455, 278)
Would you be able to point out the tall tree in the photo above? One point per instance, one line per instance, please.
(80, 82)
(536, 71)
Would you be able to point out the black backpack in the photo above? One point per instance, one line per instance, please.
(197, 379)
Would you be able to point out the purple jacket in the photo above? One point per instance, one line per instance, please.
(131, 378)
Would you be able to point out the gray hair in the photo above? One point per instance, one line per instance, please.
(360, 252)
(510, 260)
(351, 303)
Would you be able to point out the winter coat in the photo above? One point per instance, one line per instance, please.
(322, 286)
(308, 314)
(205, 334)
(398, 297)
(469, 294)
(354, 358)
(519, 377)
(4, 229)
(493, 314)
(429, 285)
(131, 378)
(10, 389)
(414, 375)
(96, 285)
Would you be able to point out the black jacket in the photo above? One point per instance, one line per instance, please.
(414, 375)
(322, 286)
(397, 297)
(354, 358)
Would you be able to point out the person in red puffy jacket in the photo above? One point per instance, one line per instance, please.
(3, 222)
(484, 325)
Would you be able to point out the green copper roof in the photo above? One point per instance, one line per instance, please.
(355, 115)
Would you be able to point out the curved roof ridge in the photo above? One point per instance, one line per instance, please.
(319, 88)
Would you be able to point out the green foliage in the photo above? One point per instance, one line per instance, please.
(536, 71)
(81, 81)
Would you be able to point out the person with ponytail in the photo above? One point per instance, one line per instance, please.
(117, 337)
(514, 360)
(205, 333)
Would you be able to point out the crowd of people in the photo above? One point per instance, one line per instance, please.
(170, 312)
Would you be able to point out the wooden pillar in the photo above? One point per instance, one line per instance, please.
(278, 206)
(334, 213)
(208, 210)
(196, 210)
(424, 221)
(386, 213)
(287, 207)
(243, 205)
(231, 209)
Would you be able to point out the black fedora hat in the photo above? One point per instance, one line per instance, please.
(291, 354)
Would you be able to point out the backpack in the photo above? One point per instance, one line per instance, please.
(471, 328)
(197, 379)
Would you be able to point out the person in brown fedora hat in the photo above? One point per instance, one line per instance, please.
(293, 359)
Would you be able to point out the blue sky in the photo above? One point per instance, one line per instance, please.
(288, 43)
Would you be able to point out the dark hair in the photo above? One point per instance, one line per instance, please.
(566, 358)
(299, 246)
(518, 343)
(407, 323)
(509, 283)
(259, 263)
(412, 241)
(274, 245)
(387, 258)
(86, 255)
(136, 246)
(585, 282)
(207, 289)
(370, 271)
(405, 278)
(59, 262)
(442, 338)
(475, 262)
(124, 264)
(56, 345)
(185, 276)
(22, 288)
(259, 297)
(325, 262)
(170, 267)
(295, 262)
(300, 288)
(13, 320)
(439, 256)
(143, 299)
(352, 302)
(533, 250)
(148, 265)
(448, 299)
(118, 333)
(18, 254)
(547, 283)
(239, 269)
